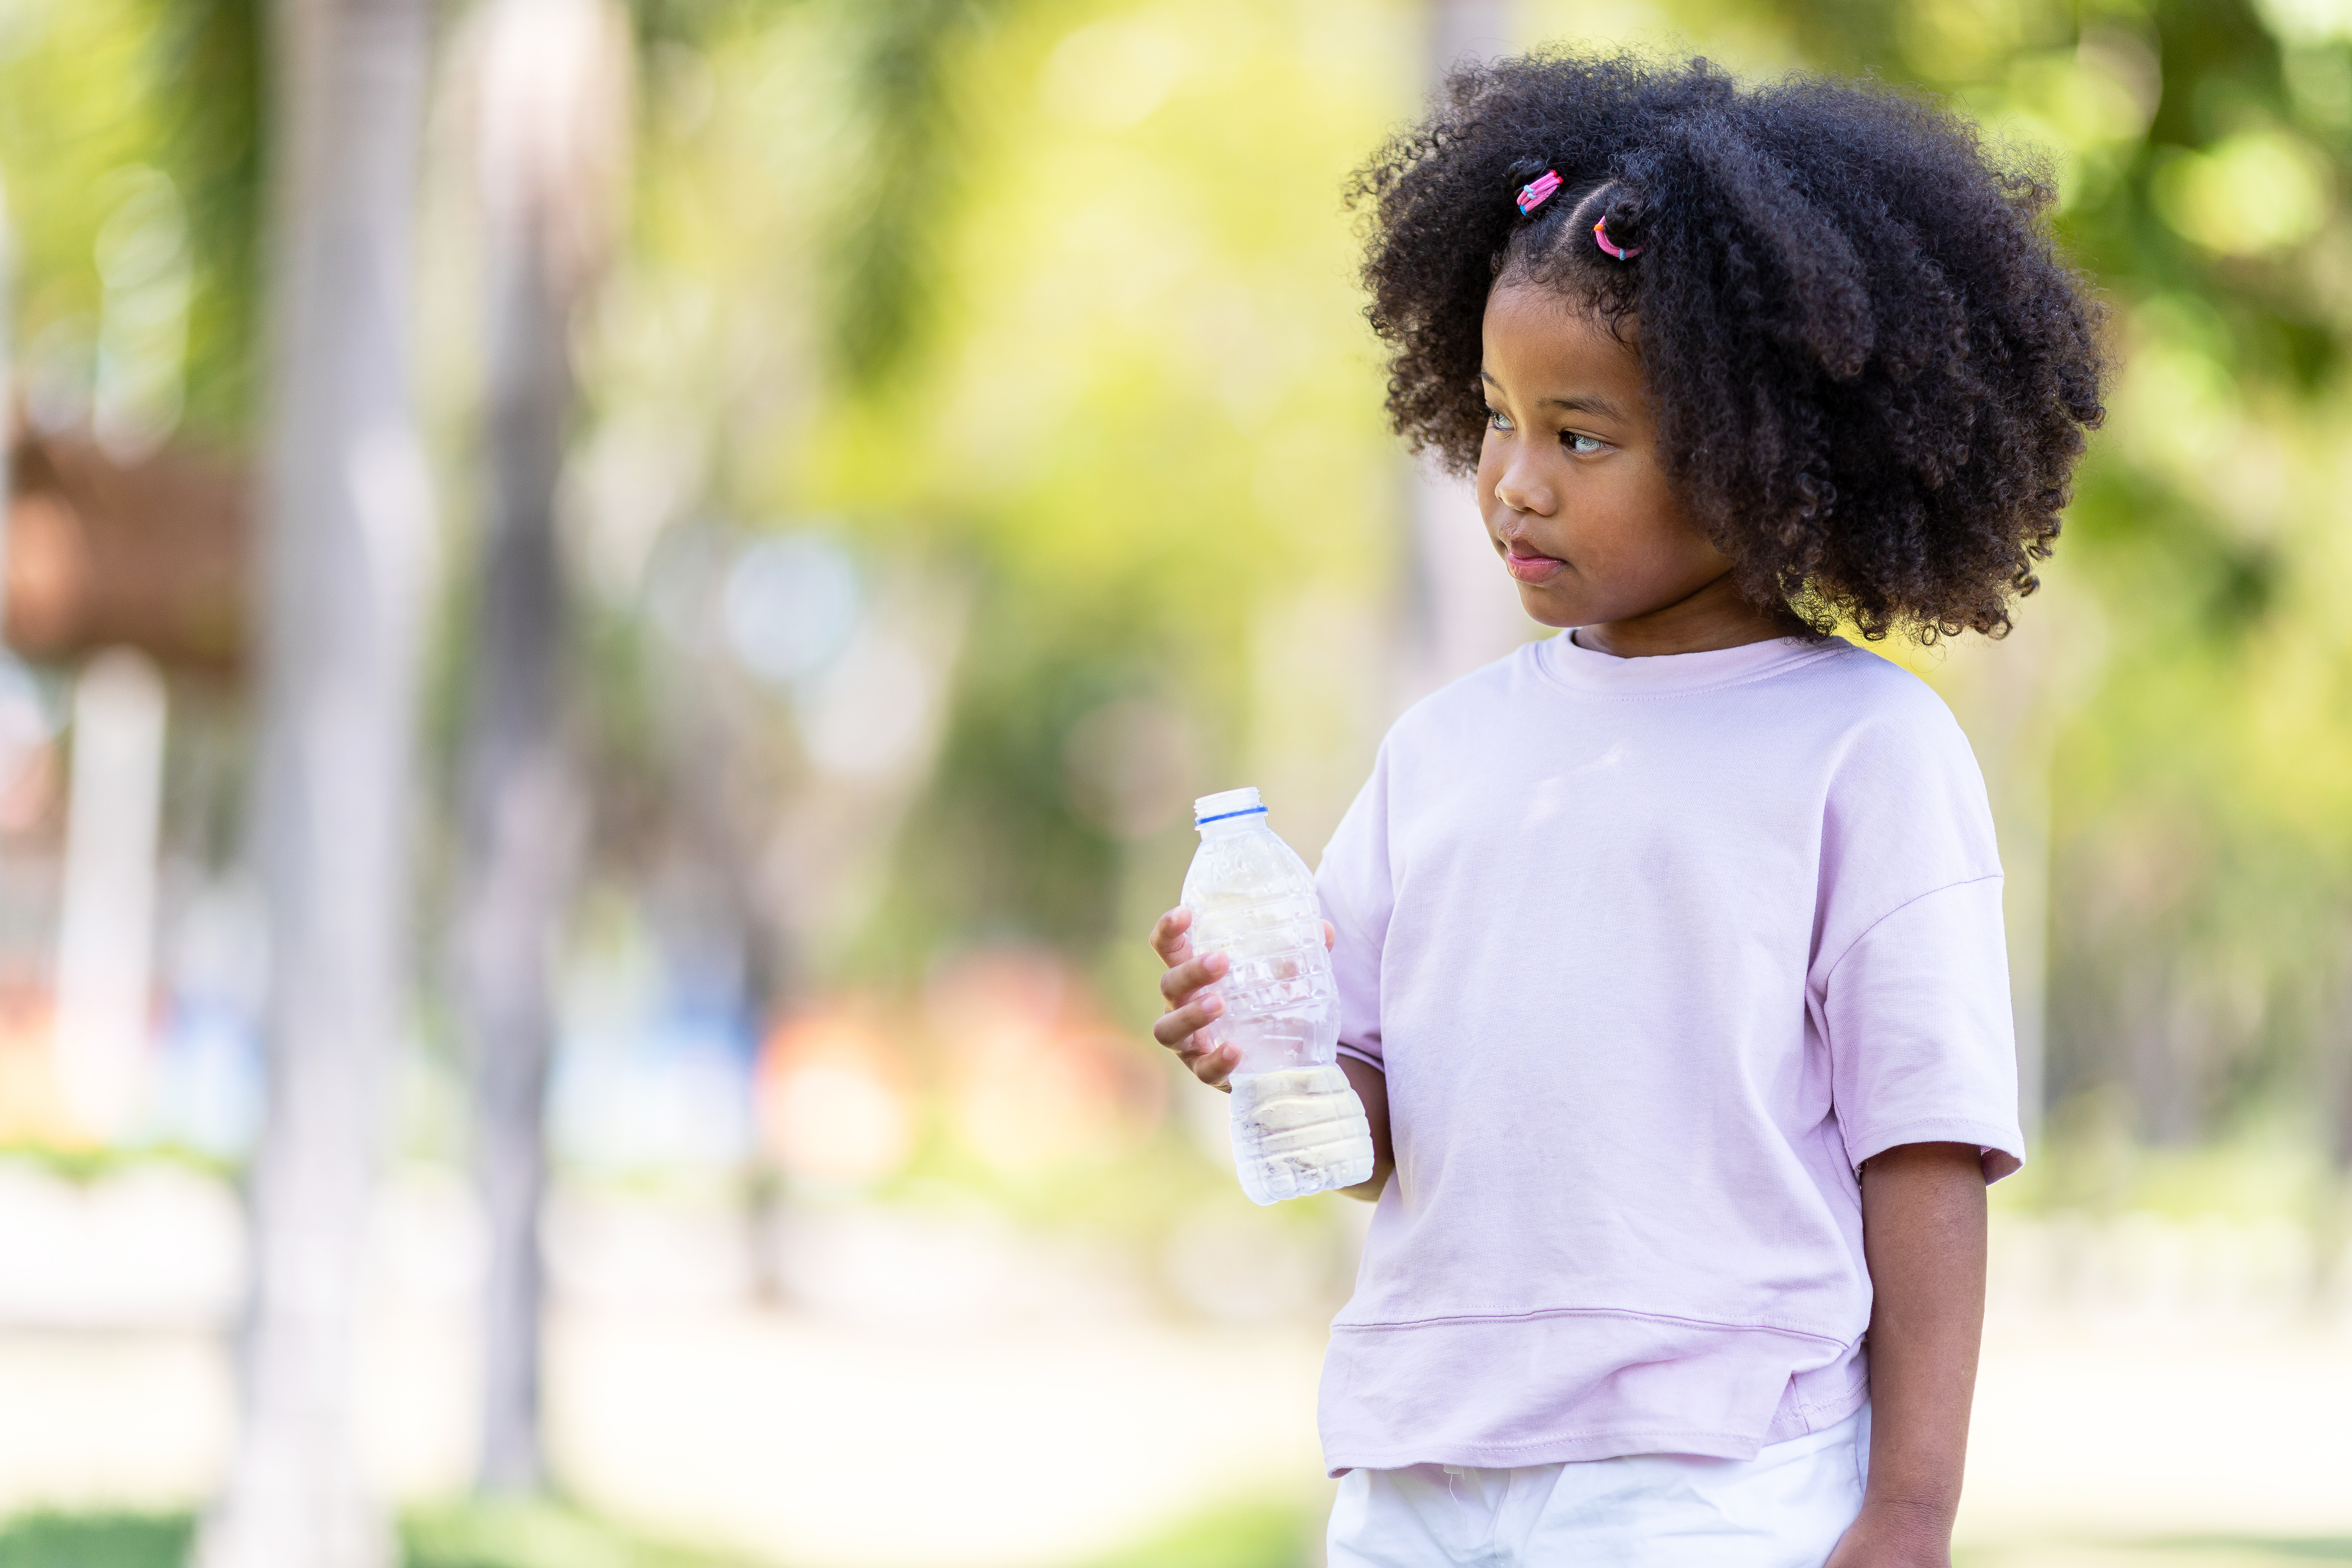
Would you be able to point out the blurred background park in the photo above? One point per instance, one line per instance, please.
(612, 613)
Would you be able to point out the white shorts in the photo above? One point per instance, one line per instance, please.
(1786, 1507)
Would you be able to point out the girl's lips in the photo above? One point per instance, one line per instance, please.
(1529, 568)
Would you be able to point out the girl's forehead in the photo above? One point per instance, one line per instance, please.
(1531, 329)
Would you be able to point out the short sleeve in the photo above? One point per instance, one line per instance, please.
(1922, 1045)
(1359, 893)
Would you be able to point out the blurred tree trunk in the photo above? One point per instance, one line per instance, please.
(347, 560)
(515, 812)
(1460, 610)
(550, 87)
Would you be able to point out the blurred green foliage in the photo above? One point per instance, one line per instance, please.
(93, 93)
(1155, 428)
(2201, 926)
(1140, 506)
(1049, 304)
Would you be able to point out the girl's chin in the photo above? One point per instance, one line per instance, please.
(1548, 608)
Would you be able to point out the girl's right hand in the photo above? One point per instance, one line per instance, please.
(1189, 1010)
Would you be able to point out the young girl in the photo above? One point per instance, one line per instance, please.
(1669, 949)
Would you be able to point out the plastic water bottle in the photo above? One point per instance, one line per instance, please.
(1298, 1126)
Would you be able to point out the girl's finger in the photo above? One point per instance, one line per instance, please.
(1168, 938)
(1178, 984)
(1212, 1067)
(1173, 1029)
(1331, 936)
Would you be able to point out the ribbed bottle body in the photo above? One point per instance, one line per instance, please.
(1254, 900)
(1298, 1126)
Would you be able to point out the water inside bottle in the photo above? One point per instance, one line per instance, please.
(1254, 900)
(1298, 1127)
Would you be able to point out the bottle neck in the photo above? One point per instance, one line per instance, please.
(1227, 827)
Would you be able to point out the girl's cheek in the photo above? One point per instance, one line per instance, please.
(1490, 473)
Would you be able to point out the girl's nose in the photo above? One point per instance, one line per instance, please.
(1521, 491)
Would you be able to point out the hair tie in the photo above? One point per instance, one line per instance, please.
(1601, 237)
(1535, 192)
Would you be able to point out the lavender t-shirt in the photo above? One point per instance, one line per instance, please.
(1655, 953)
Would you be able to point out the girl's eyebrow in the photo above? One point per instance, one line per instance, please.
(1587, 403)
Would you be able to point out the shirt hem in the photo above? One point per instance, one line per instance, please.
(1817, 1413)
(2001, 1151)
(1613, 1443)
(1504, 1315)
(1372, 1062)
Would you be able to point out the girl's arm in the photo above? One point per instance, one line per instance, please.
(1371, 1087)
(1923, 1234)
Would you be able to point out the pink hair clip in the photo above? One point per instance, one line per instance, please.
(1535, 192)
(1601, 236)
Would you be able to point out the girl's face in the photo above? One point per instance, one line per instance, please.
(1575, 495)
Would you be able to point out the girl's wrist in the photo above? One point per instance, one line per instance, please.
(1925, 1520)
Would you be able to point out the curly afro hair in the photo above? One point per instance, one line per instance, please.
(1870, 371)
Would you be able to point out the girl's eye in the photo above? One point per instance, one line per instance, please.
(1582, 445)
(1497, 420)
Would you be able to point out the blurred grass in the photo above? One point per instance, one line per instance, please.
(536, 1534)
(1248, 1536)
(469, 1535)
(555, 1535)
(94, 1541)
(2185, 1551)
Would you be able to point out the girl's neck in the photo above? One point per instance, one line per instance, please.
(1717, 617)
